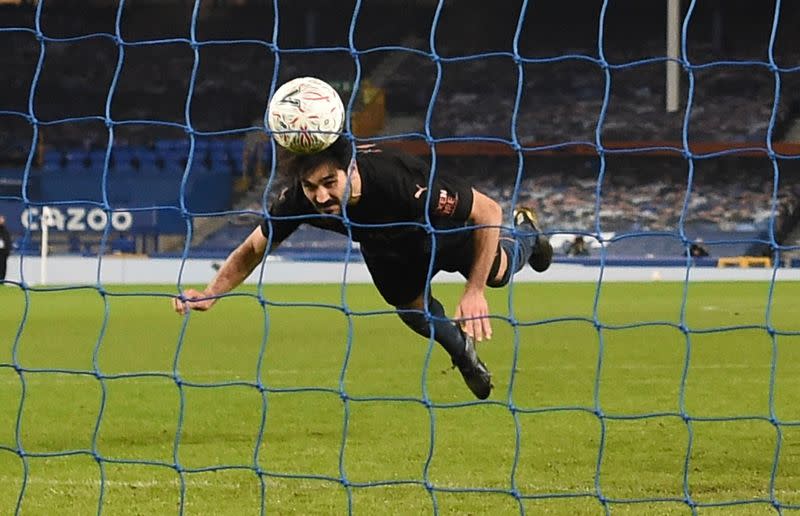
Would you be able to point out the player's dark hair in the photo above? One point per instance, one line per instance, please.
(296, 166)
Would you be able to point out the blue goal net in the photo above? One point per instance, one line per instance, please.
(652, 369)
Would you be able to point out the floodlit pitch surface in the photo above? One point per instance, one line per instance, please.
(590, 413)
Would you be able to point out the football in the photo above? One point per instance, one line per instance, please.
(305, 115)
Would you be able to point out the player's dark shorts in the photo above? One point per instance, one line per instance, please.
(400, 274)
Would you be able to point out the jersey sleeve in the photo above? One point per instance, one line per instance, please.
(451, 198)
(450, 195)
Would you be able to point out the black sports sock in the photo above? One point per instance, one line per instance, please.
(527, 245)
(446, 333)
(520, 249)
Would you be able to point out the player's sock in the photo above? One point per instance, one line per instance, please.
(541, 255)
(446, 332)
(517, 255)
(522, 252)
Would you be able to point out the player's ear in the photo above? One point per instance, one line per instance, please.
(354, 179)
(352, 167)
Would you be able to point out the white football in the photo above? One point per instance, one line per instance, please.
(305, 115)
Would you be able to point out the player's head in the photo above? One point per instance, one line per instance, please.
(323, 175)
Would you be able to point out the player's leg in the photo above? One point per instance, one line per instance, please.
(3, 264)
(445, 332)
(401, 282)
(402, 285)
(526, 244)
(458, 344)
(529, 232)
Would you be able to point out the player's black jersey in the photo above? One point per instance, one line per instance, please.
(390, 212)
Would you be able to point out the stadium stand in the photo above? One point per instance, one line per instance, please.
(731, 197)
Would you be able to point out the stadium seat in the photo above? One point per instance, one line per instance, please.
(145, 160)
(218, 145)
(76, 160)
(122, 167)
(173, 154)
(235, 149)
(53, 156)
(163, 146)
(53, 161)
(172, 165)
(121, 156)
(201, 144)
(97, 158)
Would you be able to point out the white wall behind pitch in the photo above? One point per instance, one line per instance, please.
(133, 270)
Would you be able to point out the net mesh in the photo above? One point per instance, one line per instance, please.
(517, 136)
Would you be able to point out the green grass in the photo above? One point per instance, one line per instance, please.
(460, 446)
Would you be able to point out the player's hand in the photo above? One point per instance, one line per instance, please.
(182, 306)
(472, 314)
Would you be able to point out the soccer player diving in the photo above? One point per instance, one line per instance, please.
(380, 187)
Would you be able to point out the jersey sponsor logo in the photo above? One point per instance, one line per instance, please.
(367, 148)
(420, 190)
(447, 203)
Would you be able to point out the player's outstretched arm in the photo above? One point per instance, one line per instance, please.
(237, 267)
(473, 309)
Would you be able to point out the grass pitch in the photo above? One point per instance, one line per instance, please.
(581, 413)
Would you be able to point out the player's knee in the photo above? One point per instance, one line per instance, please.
(502, 281)
(497, 277)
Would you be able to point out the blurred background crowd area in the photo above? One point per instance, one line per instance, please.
(152, 77)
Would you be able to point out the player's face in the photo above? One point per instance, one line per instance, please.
(325, 188)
